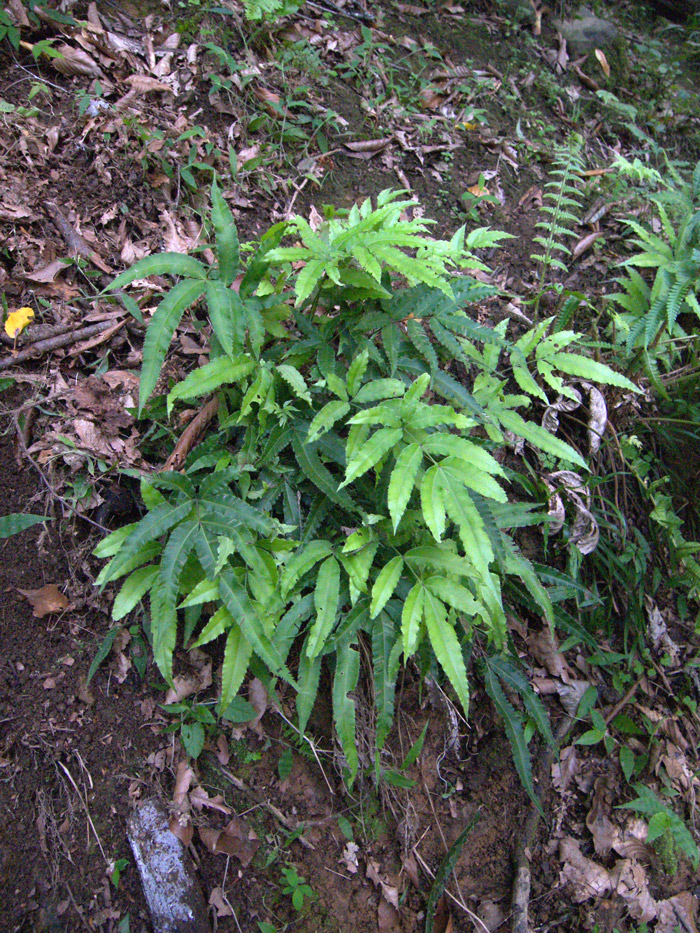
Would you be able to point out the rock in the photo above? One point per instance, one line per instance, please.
(586, 32)
(167, 873)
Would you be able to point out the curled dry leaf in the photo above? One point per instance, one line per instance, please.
(585, 243)
(629, 881)
(183, 780)
(571, 694)
(180, 825)
(143, 84)
(584, 530)
(597, 418)
(199, 798)
(271, 102)
(566, 768)
(349, 857)
(597, 820)
(46, 600)
(603, 62)
(258, 699)
(389, 890)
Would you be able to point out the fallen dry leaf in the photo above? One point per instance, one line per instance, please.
(17, 321)
(237, 839)
(75, 62)
(45, 600)
(218, 901)
(603, 62)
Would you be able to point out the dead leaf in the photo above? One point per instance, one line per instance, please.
(603, 62)
(217, 900)
(349, 857)
(183, 780)
(597, 820)
(389, 890)
(366, 148)
(17, 321)
(258, 699)
(180, 825)
(47, 600)
(566, 768)
(143, 84)
(387, 916)
(75, 62)
(237, 839)
(199, 798)
(585, 878)
(272, 103)
(185, 685)
(48, 273)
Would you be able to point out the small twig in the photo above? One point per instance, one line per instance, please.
(55, 343)
(618, 707)
(87, 812)
(76, 908)
(297, 191)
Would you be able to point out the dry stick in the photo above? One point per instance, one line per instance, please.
(54, 343)
(192, 434)
(520, 899)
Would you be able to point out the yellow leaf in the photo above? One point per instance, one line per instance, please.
(17, 321)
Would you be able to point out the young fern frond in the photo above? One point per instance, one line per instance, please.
(563, 207)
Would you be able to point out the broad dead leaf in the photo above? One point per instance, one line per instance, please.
(143, 84)
(218, 901)
(46, 600)
(585, 878)
(237, 839)
(75, 62)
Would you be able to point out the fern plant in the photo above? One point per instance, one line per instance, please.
(350, 504)
(651, 312)
(562, 199)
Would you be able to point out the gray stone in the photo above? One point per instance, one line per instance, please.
(586, 32)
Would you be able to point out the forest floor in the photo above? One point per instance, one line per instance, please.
(105, 158)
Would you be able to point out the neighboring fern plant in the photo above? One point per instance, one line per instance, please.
(350, 508)
(649, 328)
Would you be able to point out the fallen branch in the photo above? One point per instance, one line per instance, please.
(55, 343)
